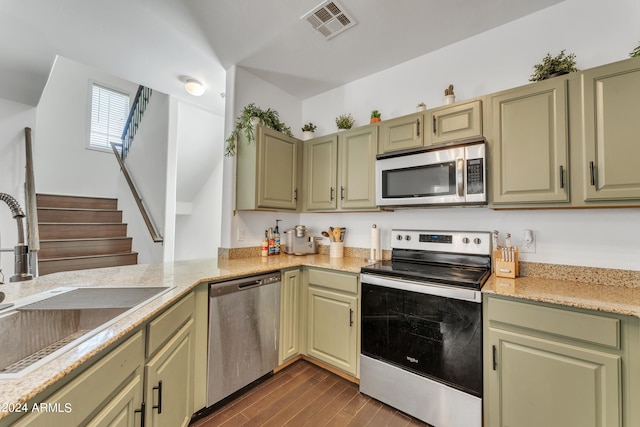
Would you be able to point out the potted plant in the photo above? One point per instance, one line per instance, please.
(344, 121)
(449, 96)
(421, 107)
(308, 130)
(635, 52)
(375, 116)
(251, 116)
(552, 66)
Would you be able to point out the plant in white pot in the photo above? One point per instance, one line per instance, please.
(307, 131)
(344, 121)
(251, 116)
(449, 96)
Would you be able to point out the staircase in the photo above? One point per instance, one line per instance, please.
(78, 233)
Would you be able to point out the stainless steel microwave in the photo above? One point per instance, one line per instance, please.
(442, 175)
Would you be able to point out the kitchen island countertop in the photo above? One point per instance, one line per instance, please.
(182, 276)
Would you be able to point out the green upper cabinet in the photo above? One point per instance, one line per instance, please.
(528, 138)
(321, 176)
(401, 133)
(267, 172)
(611, 131)
(453, 123)
(357, 160)
(339, 170)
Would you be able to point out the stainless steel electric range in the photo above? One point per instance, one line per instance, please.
(421, 349)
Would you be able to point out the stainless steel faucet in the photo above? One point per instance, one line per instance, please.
(21, 250)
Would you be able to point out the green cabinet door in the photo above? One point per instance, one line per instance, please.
(611, 140)
(124, 409)
(290, 290)
(321, 173)
(332, 325)
(529, 144)
(538, 382)
(401, 133)
(357, 159)
(458, 122)
(267, 171)
(170, 382)
(277, 170)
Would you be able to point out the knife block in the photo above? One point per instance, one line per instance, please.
(504, 267)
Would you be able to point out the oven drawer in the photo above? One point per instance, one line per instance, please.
(562, 322)
(344, 282)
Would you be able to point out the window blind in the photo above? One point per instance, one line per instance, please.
(109, 111)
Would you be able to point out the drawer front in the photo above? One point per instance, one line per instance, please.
(590, 328)
(330, 279)
(164, 326)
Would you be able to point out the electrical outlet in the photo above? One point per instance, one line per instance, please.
(528, 242)
(240, 235)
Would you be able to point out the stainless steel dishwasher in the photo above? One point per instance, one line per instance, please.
(244, 321)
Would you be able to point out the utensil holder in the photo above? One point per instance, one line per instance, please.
(506, 262)
(336, 249)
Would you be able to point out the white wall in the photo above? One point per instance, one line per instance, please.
(596, 31)
(62, 163)
(199, 182)
(14, 117)
(147, 163)
(244, 88)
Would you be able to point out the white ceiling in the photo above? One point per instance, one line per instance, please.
(158, 43)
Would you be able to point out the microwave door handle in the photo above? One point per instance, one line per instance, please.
(460, 177)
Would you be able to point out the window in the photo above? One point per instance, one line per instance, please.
(109, 111)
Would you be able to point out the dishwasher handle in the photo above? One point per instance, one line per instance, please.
(237, 284)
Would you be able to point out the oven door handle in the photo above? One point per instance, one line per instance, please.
(422, 287)
(460, 177)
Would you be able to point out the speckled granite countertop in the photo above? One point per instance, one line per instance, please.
(608, 298)
(183, 276)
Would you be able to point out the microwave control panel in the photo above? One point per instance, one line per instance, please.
(475, 176)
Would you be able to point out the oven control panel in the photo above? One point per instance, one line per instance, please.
(466, 242)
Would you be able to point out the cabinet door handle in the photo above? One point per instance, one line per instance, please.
(350, 317)
(159, 405)
(417, 128)
(331, 194)
(561, 176)
(592, 173)
(495, 362)
(295, 194)
(142, 412)
(434, 125)
(341, 192)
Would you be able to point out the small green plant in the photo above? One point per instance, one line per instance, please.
(554, 65)
(344, 121)
(268, 117)
(309, 127)
(635, 52)
(449, 91)
(375, 114)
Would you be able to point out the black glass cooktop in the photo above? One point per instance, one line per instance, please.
(454, 275)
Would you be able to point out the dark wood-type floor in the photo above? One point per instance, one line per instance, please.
(305, 395)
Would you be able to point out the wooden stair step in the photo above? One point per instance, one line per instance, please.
(78, 215)
(55, 265)
(64, 248)
(51, 230)
(82, 202)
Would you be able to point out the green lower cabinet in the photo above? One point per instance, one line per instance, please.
(113, 384)
(332, 325)
(290, 328)
(170, 378)
(546, 383)
(550, 365)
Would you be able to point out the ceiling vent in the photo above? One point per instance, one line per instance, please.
(329, 19)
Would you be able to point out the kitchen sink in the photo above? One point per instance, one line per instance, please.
(39, 328)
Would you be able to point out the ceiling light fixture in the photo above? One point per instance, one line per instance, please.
(194, 87)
